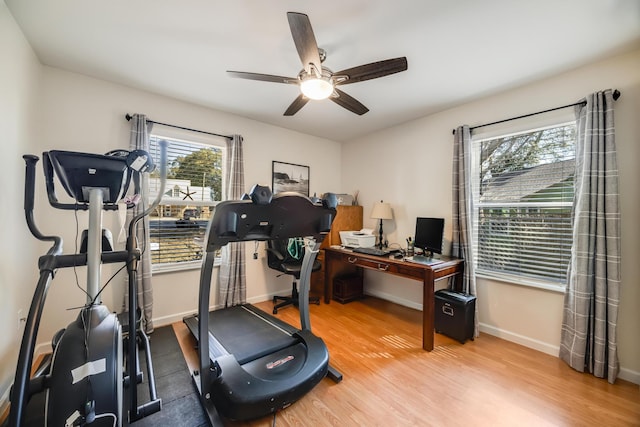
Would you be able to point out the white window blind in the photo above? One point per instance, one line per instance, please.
(193, 187)
(523, 203)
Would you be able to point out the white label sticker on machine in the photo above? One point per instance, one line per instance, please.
(89, 368)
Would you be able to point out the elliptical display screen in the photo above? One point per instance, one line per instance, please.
(81, 172)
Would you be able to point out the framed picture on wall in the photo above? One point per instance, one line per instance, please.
(289, 177)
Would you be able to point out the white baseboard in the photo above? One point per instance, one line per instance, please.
(629, 375)
(520, 339)
(394, 298)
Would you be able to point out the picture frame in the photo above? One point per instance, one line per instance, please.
(289, 177)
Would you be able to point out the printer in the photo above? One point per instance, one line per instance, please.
(358, 239)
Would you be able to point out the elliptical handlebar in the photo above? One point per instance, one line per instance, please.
(29, 195)
(163, 181)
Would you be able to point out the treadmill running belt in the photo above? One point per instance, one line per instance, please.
(246, 335)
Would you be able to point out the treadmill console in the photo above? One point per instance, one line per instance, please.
(263, 216)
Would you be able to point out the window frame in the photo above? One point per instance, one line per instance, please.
(559, 120)
(192, 138)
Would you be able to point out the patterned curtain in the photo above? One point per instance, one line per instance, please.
(139, 140)
(232, 276)
(462, 241)
(588, 338)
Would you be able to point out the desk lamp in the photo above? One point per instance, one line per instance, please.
(381, 210)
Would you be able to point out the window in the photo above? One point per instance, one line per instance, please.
(194, 186)
(523, 201)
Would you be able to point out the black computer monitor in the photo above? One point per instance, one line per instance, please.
(429, 233)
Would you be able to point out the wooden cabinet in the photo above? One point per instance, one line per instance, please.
(347, 288)
(347, 218)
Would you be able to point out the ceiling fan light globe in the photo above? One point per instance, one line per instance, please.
(314, 88)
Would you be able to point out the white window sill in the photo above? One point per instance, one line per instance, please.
(182, 266)
(522, 281)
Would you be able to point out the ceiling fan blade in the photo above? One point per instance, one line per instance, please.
(305, 41)
(349, 102)
(296, 105)
(372, 70)
(263, 77)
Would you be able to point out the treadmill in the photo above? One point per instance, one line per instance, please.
(252, 364)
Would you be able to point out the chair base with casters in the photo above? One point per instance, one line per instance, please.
(291, 300)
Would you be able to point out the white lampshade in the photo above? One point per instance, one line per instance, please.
(381, 210)
(315, 88)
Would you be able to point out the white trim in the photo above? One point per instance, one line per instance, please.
(629, 375)
(544, 347)
(170, 267)
(520, 281)
(395, 299)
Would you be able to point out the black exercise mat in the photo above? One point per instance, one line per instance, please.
(180, 402)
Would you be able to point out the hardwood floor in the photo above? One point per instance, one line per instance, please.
(390, 381)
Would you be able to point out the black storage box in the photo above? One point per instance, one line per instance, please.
(454, 314)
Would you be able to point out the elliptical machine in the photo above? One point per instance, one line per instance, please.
(84, 382)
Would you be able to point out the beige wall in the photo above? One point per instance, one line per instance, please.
(415, 160)
(19, 81)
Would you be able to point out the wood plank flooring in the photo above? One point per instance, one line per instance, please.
(390, 381)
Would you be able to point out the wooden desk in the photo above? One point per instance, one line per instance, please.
(337, 259)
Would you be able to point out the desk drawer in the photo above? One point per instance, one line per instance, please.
(391, 266)
(368, 263)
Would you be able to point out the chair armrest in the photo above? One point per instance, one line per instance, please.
(276, 253)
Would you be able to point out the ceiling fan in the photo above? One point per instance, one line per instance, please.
(317, 81)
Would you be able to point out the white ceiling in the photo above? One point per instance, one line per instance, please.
(457, 51)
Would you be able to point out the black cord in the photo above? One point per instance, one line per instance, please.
(108, 281)
(273, 424)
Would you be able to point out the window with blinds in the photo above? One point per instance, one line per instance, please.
(524, 196)
(193, 187)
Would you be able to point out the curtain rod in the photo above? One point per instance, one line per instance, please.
(616, 95)
(129, 117)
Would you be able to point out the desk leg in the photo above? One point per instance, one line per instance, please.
(328, 276)
(458, 279)
(428, 306)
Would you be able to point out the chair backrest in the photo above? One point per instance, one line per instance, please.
(285, 255)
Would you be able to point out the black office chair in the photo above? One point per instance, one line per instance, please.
(286, 255)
